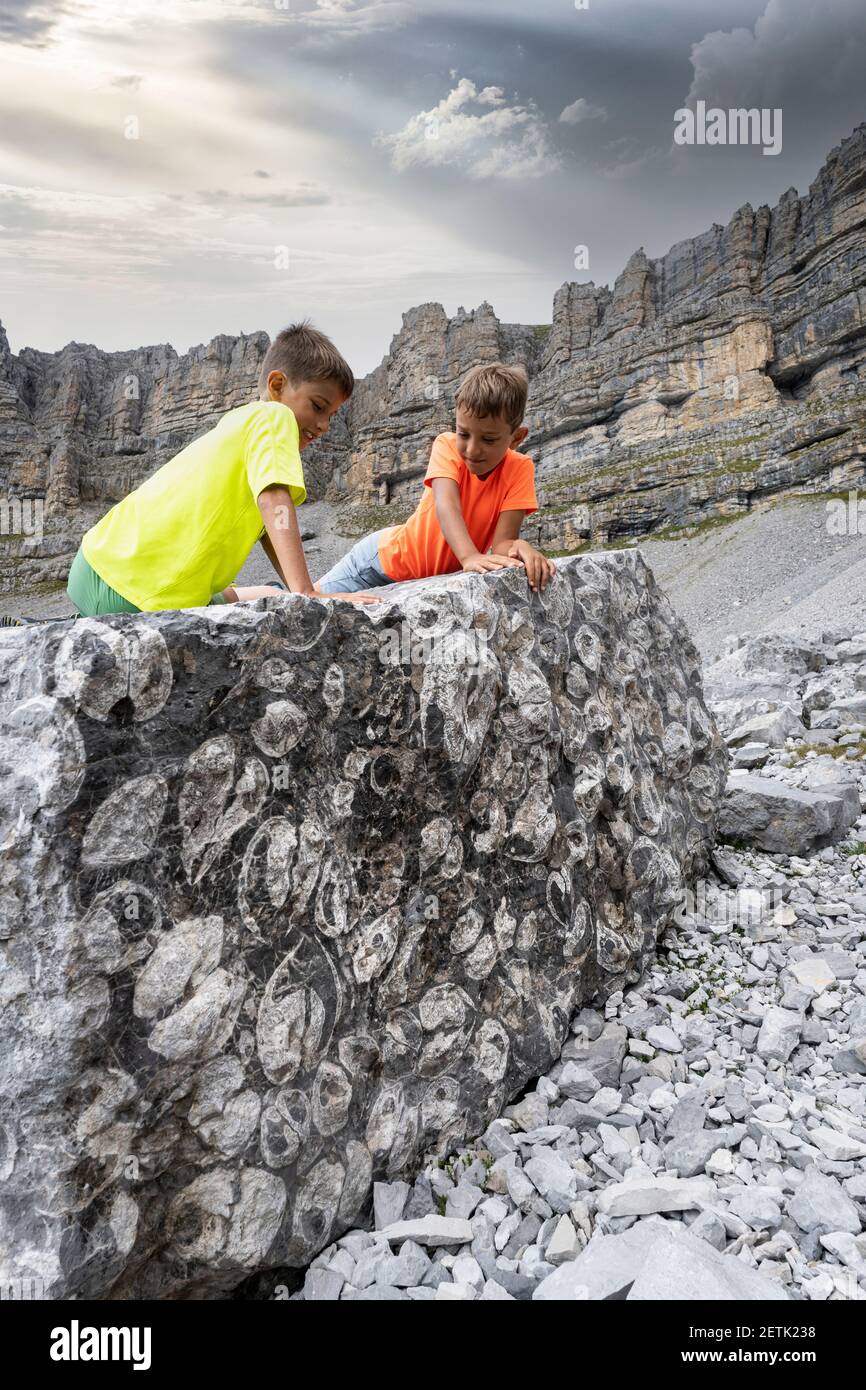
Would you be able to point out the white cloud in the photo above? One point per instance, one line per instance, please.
(478, 132)
(582, 110)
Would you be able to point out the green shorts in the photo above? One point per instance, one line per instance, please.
(92, 596)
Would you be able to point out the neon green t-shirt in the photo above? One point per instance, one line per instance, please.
(185, 533)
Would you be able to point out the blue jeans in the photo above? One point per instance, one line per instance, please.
(360, 569)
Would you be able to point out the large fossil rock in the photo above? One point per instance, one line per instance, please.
(295, 892)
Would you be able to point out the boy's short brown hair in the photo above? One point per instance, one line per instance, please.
(494, 389)
(302, 353)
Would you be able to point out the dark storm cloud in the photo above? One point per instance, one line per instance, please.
(615, 183)
(28, 21)
(632, 63)
(805, 59)
(632, 59)
(627, 60)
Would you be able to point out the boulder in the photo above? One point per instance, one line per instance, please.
(292, 899)
(821, 1204)
(655, 1260)
(830, 777)
(765, 813)
(779, 1034)
(643, 1196)
(771, 729)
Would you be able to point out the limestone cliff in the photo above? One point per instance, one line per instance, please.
(731, 368)
(80, 428)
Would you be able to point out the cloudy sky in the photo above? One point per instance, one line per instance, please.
(173, 169)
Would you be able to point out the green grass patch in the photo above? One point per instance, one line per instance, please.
(561, 508)
(739, 464)
(612, 470)
(360, 521)
(815, 496)
(689, 532)
(833, 750)
(735, 466)
(752, 438)
(563, 554)
(47, 586)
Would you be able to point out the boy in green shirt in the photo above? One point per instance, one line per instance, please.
(179, 539)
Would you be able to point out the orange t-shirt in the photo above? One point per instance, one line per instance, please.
(418, 547)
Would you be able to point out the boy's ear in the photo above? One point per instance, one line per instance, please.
(519, 435)
(276, 383)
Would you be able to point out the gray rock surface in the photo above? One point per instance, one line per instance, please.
(679, 1267)
(655, 1261)
(763, 812)
(279, 913)
(821, 1204)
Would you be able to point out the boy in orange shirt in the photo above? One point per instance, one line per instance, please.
(477, 490)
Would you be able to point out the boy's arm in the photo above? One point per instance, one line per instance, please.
(282, 531)
(286, 552)
(449, 514)
(506, 533)
(268, 548)
(539, 570)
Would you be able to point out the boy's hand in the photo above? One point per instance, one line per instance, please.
(539, 570)
(359, 597)
(482, 564)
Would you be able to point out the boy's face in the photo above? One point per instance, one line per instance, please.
(483, 442)
(313, 403)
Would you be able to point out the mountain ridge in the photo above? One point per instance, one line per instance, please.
(729, 369)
